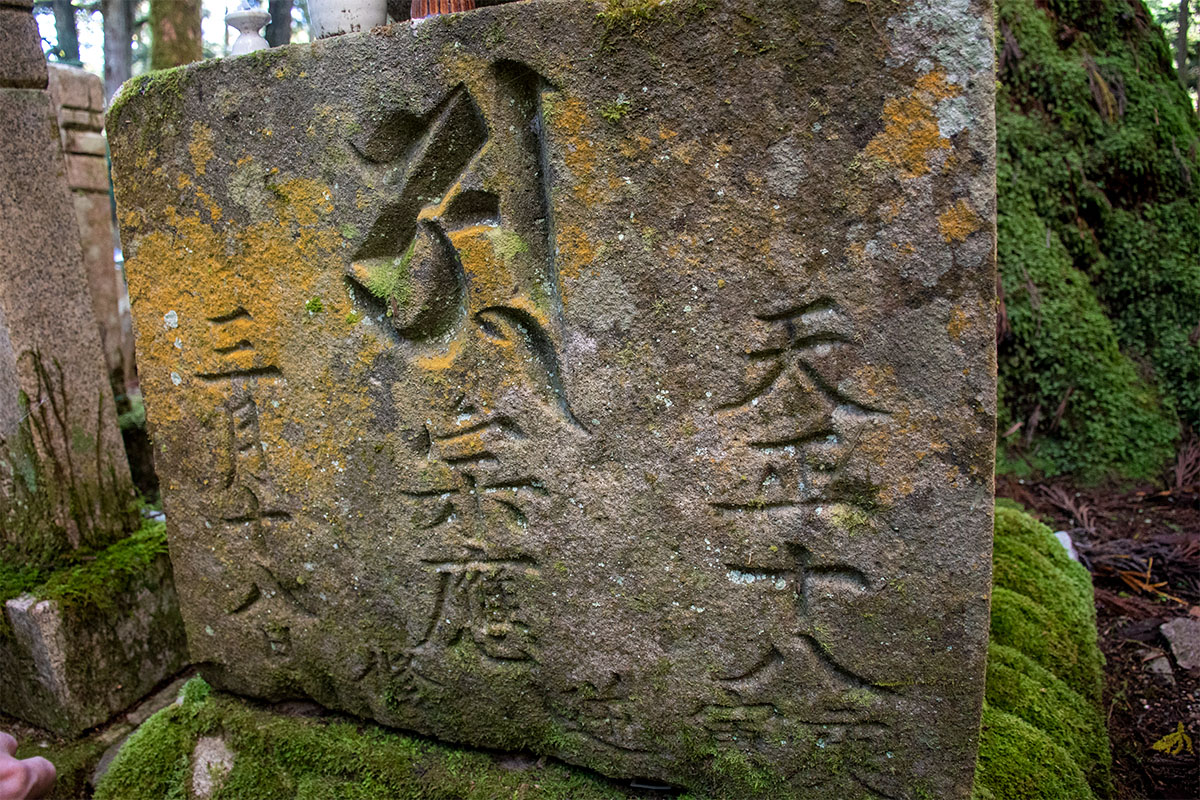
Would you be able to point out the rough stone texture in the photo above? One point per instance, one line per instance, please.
(22, 65)
(79, 100)
(619, 387)
(211, 762)
(68, 670)
(1184, 635)
(47, 312)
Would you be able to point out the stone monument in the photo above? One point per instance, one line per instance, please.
(78, 97)
(52, 380)
(613, 381)
(67, 662)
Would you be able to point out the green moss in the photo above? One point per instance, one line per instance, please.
(314, 305)
(1016, 760)
(94, 580)
(279, 756)
(1043, 733)
(1098, 179)
(135, 417)
(1042, 603)
(390, 280)
(1019, 686)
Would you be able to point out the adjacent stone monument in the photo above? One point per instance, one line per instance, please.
(612, 381)
(90, 618)
(52, 381)
(78, 98)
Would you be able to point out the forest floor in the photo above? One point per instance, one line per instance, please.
(1142, 546)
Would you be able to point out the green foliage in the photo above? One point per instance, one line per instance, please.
(1099, 181)
(1043, 735)
(314, 305)
(617, 109)
(135, 417)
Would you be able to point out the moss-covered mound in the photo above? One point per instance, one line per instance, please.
(1043, 734)
(1099, 239)
(317, 758)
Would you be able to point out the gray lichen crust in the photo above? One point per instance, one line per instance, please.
(612, 381)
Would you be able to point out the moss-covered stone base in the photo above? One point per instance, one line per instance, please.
(1043, 735)
(311, 758)
(92, 639)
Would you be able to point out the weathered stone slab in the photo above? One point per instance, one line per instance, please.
(70, 669)
(615, 385)
(55, 380)
(79, 102)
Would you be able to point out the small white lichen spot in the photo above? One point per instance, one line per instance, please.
(170, 320)
(176, 378)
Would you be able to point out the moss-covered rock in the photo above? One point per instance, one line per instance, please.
(304, 757)
(1043, 735)
(1018, 760)
(1098, 174)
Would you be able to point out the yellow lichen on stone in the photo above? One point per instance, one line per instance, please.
(958, 222)
(200, 148)
(575, 252)
(958, 323)
(910, 135)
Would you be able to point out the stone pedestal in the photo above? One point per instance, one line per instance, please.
(614, 381)
(68, 669)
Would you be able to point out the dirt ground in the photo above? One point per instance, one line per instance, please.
(1142, 546)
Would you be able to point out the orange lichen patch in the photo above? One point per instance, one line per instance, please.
(490, 282)
(959, 222)
(958, 323)
(200, 148)
(575, 251)
(302, 201)
(439, 362)
(893, 209)
(579, 152)
(934, 86)
(667, 133)
(635, 146)
(910, 134)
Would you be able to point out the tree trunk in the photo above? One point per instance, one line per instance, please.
(68, 35)
(174, 33)
(118, 44)
(279, 31)
(1181, 43)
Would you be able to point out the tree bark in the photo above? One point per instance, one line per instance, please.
(68, 34)
(174, 33)
(1181, 43)
(279, 31)
(118, 44)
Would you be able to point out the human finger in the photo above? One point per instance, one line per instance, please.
(8, 745)
(41, 777)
